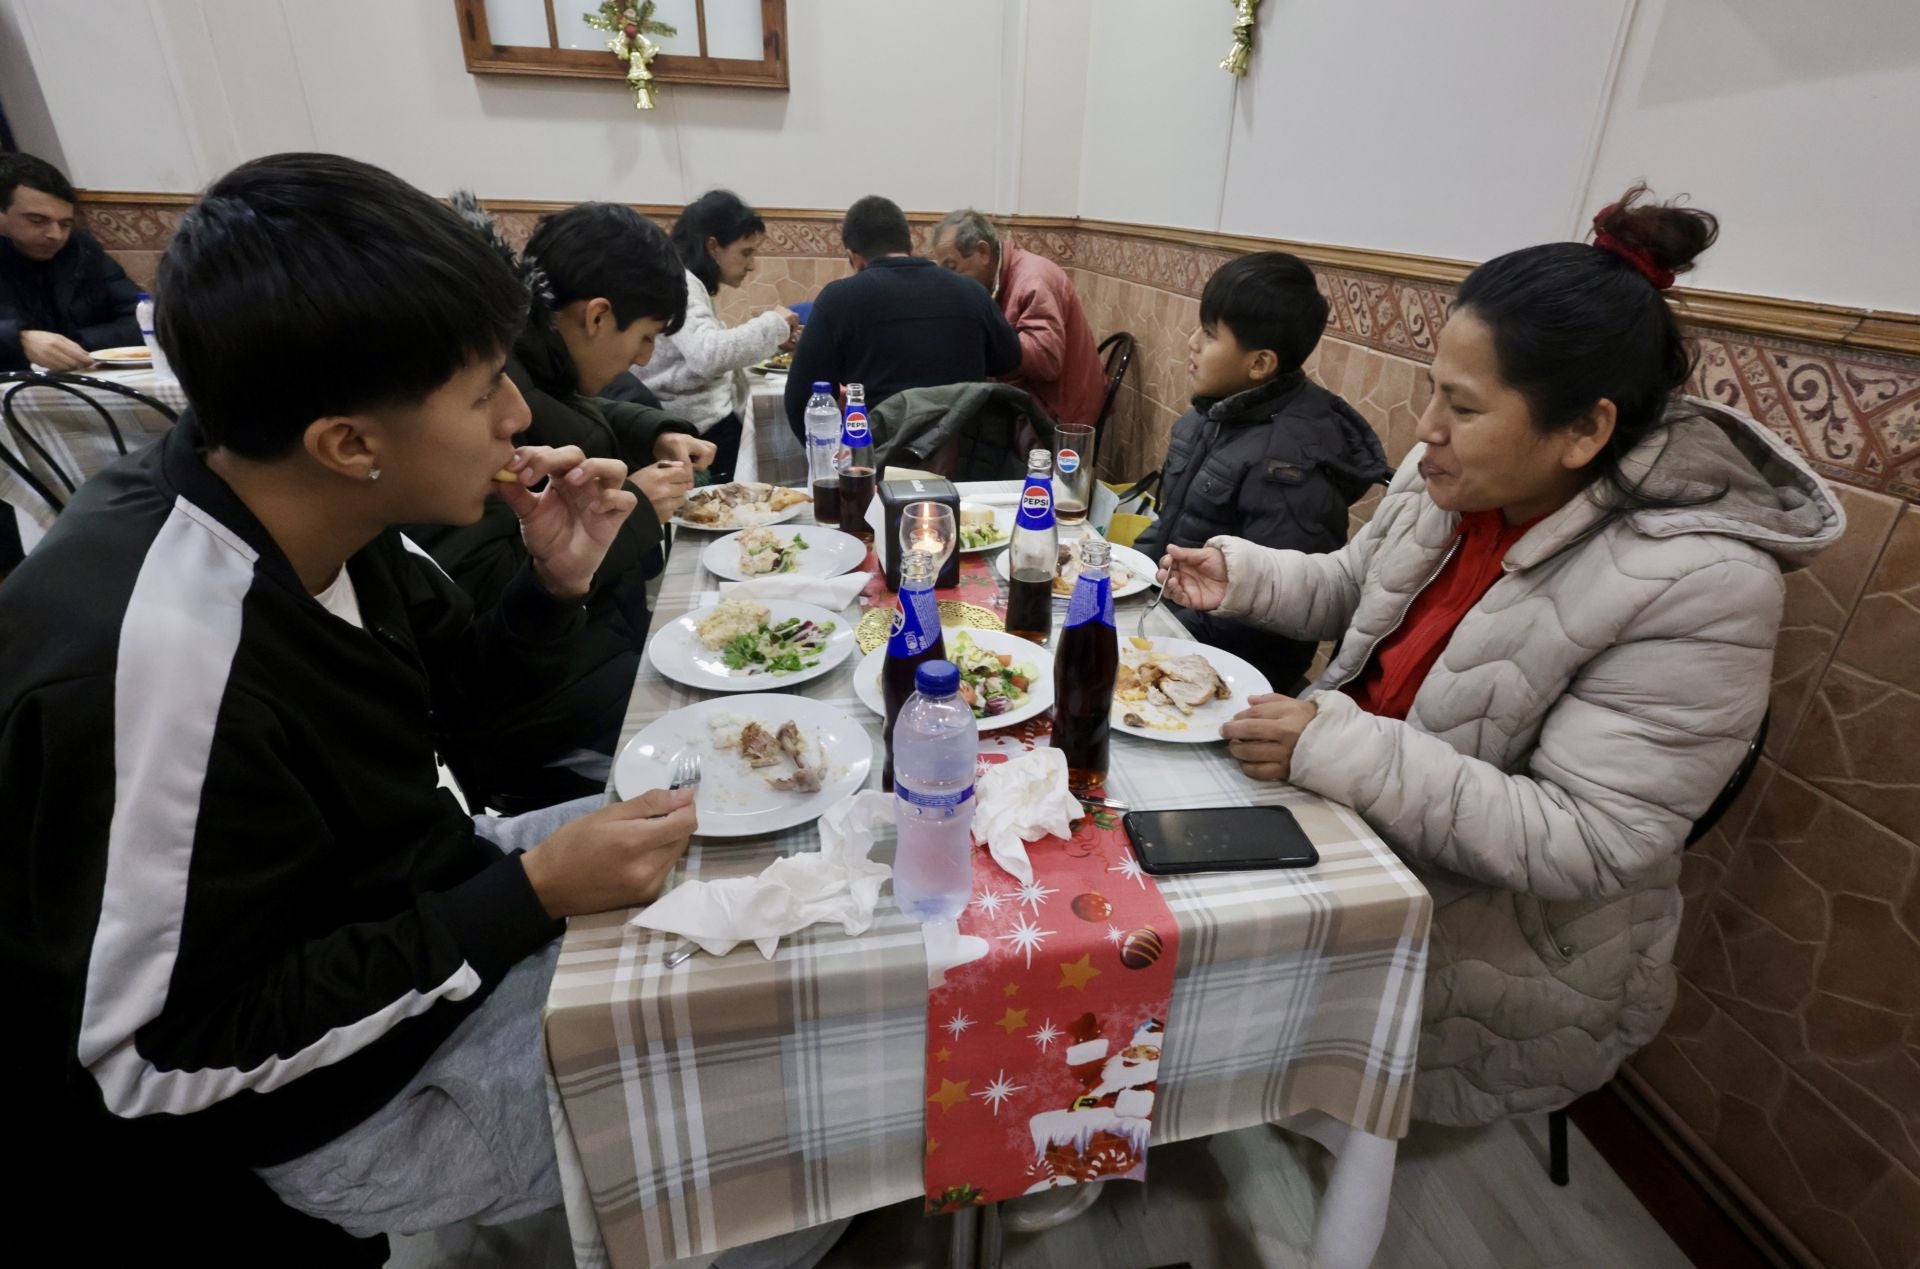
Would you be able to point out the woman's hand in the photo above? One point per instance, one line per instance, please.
(569, 525)
(1195, 578)
(793, 328)
(678, 447)
(1261, 737)
(665, 485)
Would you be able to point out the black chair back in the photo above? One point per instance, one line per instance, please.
(1741, 774)
(1117, 348)
(20, 448)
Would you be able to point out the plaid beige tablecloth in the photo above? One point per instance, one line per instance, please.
(731, 1099)
(75, 437)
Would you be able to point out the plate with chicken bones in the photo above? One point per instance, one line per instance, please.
(1179, 690)
(767, 762)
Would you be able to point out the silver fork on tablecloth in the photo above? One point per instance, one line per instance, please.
(686, 775)
(1140, 629)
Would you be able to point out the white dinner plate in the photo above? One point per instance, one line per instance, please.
(745, 517)
(133, 357)
(829, 553)
(1002, 520)
(1203, 725)
(866, 675)
(734, 800)
(1142, 568)
(677, 652)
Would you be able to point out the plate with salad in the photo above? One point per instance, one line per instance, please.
(744, 645)
(984, 528)
(1006, 679)
(802, 550)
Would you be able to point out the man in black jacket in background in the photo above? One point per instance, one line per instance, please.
(899, 322)
(61, 296)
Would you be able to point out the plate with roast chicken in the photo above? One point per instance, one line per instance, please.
(1179, 690)
(767, 762)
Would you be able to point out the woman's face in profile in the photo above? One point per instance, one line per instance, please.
(1483, 451)
(737, 260)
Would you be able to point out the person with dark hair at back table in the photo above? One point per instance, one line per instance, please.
(899, 322)
(61, 295)
(700, 371)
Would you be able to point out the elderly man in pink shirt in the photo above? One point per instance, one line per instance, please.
(1059, 365)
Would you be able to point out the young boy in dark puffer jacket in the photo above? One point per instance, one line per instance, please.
(1264, 454)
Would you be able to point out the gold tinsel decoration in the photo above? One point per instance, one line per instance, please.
(1244, 15)
(630, 24)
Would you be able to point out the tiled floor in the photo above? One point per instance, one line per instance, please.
(1246, 1199)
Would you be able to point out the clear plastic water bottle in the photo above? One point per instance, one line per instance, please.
(823, 439)
(934, 745)
(143, 313)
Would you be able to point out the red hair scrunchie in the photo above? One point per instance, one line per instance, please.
(1638, 257)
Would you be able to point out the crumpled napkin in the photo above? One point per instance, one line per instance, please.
(1020, 801)
(836, 883)
(832, 593)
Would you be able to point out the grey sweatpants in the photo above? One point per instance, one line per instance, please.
(470, 1137)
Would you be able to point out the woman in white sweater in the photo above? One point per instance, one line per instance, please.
(699, 374)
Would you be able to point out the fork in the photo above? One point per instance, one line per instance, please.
(1140, 630)
(686, 775)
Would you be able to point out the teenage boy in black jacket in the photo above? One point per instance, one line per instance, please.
(243, 925)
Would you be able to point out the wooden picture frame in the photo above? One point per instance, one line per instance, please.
(484, 57)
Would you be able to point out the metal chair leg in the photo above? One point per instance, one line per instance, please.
(1557, 1146)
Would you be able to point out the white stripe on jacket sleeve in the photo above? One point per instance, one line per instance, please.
(178, 638)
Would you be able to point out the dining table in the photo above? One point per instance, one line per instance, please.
(728, 1099)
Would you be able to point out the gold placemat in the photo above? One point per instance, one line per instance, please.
(873, 628)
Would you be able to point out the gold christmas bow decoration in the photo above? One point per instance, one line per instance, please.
(1235, 62)
(630, 24)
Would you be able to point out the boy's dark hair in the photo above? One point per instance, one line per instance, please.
(717, 214)
(309, 285)
(34, 173)
(1268, 300)
(595, 251)
(876, 226)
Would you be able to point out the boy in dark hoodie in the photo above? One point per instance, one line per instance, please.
(1264, 454)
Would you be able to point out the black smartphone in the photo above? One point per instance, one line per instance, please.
(1218, 839)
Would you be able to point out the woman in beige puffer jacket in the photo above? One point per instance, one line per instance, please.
(1593, 701)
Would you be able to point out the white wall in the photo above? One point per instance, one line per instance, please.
(1158, 112)
(1446, 140)
(1798, 122)
(1458, 130)
(1473, 127)
(917, 99)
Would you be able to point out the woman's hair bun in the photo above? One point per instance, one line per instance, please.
(1672, 236)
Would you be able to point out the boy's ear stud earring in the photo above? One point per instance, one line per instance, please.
(374, 474)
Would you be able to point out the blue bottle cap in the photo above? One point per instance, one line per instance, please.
(821, 385)
(937, 678)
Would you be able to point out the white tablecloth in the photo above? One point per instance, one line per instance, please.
(75, 438)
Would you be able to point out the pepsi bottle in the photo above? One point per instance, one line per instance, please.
(1033, 557)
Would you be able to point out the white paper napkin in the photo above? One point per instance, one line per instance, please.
(832, 593)
(836, 883)
(1020, 801)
